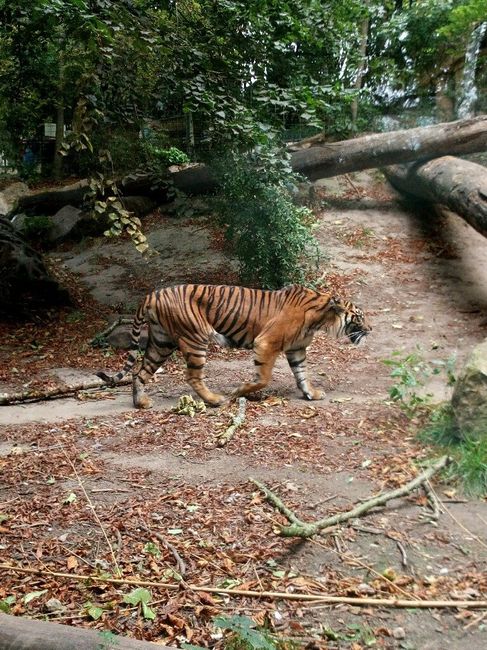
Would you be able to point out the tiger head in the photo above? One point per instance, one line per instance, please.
(350, 320)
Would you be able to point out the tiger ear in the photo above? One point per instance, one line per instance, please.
(335, 304)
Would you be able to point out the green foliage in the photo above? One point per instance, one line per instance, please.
(411, 373)
(245, 635)
(152, 549)
(171, 156)
(104, 196)
(141, 596)
(6, 603)
(468, 452)
(270, 235)
(94, 611)
(37, 228)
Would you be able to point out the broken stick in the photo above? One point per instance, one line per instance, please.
(37, 395)
(298, 528)
(237, 421)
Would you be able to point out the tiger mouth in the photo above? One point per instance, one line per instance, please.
(356, 337)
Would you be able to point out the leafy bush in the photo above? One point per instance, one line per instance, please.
(270, 235)
(164, 156)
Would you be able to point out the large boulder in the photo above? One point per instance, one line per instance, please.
(65, 223)
(10, 195)
(26, 283)
(469, 400)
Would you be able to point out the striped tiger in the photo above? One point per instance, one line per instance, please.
(190, 316)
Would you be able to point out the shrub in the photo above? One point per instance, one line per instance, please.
(270, 235)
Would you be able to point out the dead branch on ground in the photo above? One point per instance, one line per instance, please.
(38, 395)
(298, 528)
(237, 421)
(273, 595)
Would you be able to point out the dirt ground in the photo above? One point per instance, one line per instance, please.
(155, 496)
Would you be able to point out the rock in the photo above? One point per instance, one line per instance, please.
(139, 205)
(64, 223)
(26, 283)
(399, 633)
(19, 221)
(10, 195)
(120, 338)
(54, 605)
(469, 400)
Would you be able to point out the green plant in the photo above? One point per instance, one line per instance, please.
(411, 373)
(36, 228)
(468, 466)
(170, 156)
(141, 596)
(6, 603)
(245, 634)
(270, 235)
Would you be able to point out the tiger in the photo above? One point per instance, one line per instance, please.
(191, 316)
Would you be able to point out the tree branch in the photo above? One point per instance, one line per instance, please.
(303, 529)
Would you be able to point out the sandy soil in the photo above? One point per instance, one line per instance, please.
(423, 282)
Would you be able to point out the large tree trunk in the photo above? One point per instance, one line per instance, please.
(457, 184)
(379, 149)
(18, 633)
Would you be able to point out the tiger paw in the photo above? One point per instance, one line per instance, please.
(143, 402)
(315, 395)
(216, 400)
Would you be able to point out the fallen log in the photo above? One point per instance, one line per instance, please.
(379, 149)
(49, 201)
(376, 150)
(458, 184)
(26, 634)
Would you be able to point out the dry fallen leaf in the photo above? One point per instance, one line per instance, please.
(72, 562)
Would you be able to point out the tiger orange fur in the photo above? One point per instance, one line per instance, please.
(190, 316)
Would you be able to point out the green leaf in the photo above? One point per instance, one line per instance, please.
(94, 611)
(147, 612)
(33, 595)
(71, 498)
(174, 531)
(152, 549)
(139, 595)
(6, 603)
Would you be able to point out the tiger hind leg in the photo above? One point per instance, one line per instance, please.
(297, 363)
(195, 357)
(156, 354)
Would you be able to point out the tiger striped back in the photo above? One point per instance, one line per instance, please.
(190, 316)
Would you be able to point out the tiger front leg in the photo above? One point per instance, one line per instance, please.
(297, 363)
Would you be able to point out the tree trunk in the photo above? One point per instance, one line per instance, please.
(379, 149)
(364, 33)
(25, 634)
(57, 167)
(457, 184)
